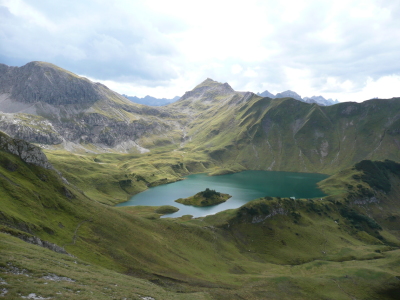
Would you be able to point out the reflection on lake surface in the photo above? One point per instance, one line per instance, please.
(243, 187)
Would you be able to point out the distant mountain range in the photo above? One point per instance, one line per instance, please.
(314, 99)
(151, 101)
(44, 104)
(320, 100)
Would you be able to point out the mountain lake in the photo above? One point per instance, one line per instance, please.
(243, 187)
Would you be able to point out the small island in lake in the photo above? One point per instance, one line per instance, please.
(205, 198)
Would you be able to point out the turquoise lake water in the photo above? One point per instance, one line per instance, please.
(243, 187)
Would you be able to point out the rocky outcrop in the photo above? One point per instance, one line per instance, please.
(45, 244)
(274, 212)
(27, 152)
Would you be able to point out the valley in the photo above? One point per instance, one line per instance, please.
(73, 149)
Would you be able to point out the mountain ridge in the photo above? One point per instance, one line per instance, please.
(226, 125)
(152, 101)
(286, 134)
(72, 111)
(320, 100)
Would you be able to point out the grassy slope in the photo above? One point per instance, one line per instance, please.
(285, 134)
(218, 257)
(24, 267)
(361, 188)
(314, 280)
(112, 178)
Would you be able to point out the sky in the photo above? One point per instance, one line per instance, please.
(346, 50)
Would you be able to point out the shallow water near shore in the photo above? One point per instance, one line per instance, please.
(243, 187)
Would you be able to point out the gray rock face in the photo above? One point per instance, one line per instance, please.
(27, 152)
(30, 129)
(98, 129)
(44, 82)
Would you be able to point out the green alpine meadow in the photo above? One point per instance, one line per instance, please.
(72, 149)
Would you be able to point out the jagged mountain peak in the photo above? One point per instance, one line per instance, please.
(212, 83)
(290, 94)
(266, 93)
(209, 80)
(318, 97)
(208, 89)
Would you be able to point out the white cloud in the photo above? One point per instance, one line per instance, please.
(334, 84)
(250, 73)
(236, 69)
(342, 48)
(25, 11)
(385, 87)
(175, 87)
